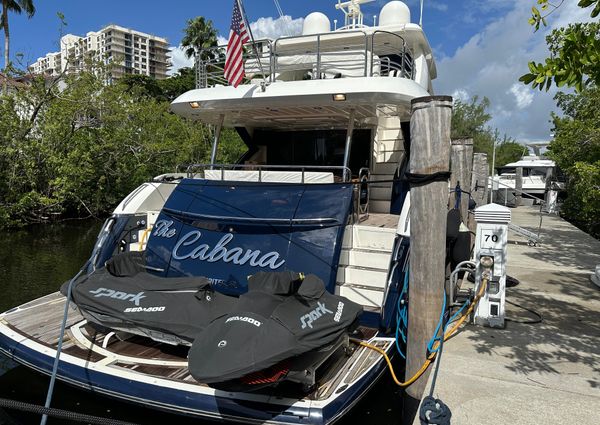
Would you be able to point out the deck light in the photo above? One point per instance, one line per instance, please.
(195, 105)
(339, 97)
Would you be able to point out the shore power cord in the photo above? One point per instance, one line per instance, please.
(434, 411)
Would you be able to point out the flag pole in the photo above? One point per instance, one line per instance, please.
(245, 17)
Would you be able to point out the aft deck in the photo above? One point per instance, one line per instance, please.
(39, 322)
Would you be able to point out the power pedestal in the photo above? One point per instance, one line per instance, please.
(491, 241)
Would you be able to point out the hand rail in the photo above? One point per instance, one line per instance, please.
(345, 171)
(384, 49)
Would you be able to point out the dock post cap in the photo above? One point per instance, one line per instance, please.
(492, 213)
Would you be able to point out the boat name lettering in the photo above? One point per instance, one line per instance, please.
(163, 229)
(244, 319)
(308, 318)
(118, 295)
(220, 252)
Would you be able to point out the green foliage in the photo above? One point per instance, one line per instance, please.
(168, 89)
(576, 150)
(470, 119)
(538, 16)
(574, 51)
(79, 151)
(199, 34)
(142, 86)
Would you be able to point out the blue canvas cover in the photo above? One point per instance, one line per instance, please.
(227, 231)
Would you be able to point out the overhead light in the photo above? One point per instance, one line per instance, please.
(339, 97)
(195, 105)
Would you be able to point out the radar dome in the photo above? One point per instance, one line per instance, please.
(316, 23)
(394, 13)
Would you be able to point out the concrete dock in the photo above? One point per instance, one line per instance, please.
(545, 373)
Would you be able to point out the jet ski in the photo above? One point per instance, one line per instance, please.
(125, 296)
(281, 317)
(240, 341)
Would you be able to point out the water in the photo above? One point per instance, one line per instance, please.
(35, 262)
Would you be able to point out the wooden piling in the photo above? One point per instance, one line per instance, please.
(519, 187)
(479, 179)
(429, 154)
(461, 163)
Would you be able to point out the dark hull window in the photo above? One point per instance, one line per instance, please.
(318, 147)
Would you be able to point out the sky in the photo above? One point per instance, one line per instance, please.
(481, 47)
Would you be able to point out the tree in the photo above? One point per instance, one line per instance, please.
(199, 35)
(176, 85)
(79, 151)
(16, 6)
(470, 119)
(576, 150)
(574, 51)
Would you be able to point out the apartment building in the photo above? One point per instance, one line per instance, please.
(129, 51)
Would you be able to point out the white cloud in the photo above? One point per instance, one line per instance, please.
(179, 60)
(275, 28)
(491, 62)
(523, 95)
(267, 27)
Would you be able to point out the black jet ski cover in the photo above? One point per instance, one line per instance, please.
(254, 337)
(124, 296)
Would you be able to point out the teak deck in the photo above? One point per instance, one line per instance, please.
(40, 321)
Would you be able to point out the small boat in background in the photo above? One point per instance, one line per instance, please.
(540, 175)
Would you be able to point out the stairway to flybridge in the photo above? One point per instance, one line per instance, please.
(364, 262)
(388, 151)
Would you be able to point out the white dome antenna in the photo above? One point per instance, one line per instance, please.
(352, 13)
(316, 23)
(394, 13)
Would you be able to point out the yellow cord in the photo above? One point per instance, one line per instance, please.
(143, 238)
(431, 357)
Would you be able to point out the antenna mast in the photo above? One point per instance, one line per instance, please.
(352, 13)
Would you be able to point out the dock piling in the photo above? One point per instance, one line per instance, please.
(430, 154)
(461, 163)
(519, 187)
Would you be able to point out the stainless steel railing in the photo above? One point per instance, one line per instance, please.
(193, 170)
(342, 54)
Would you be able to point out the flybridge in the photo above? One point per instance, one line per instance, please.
(354, 50)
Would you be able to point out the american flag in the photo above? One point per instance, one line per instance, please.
(238, 35)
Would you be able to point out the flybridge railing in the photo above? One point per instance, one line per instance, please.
(344, 54)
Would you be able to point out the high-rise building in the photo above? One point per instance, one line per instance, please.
(129, 51)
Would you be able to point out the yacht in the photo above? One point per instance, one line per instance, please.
(180, 306)
(540, 174)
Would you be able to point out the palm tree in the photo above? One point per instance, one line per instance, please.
(17, 6)
(199, 35)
